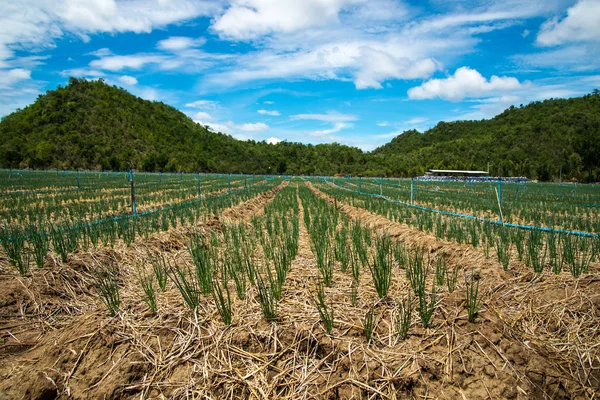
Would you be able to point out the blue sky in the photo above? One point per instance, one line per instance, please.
(357, 72)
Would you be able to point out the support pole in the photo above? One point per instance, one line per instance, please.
(360, 185)
(412, 192)
(380, 188)
(560, 176)
(78, 183)
(229, 184)
(499, 191)
(133, 205)
(499, 207)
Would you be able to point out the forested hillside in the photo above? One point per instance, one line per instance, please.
(534, 140)
(91, 125)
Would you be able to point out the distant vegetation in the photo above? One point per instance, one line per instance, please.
(91, 125)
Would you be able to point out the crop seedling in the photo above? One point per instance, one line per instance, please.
(427, 306)
(202, 260)
(451, 278)
(369, 323)
(188, 287)
(440, 270)
(472, 287)
(325, 311)
(353, 293)
(381, 268)
(107, 285)
(147, 284)
(222, 302)
(268, 303)
(160, 266)
(404, 317)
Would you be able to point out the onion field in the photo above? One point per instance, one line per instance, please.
(178, 286)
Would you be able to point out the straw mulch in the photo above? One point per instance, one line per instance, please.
(535, 337)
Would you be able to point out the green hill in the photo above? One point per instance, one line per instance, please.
(91, 125)
(535, 141)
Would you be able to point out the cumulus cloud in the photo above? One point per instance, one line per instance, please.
(256, 127)
(365, 62)
(128, 80)
(202, 116)
(582, 23)
(177, 43)
(273, 140)
(273, 113)
(139, 16)
(465, 82)
(248, 19)
(12, 76)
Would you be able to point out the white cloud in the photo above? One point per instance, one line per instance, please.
(10, 77)
(117, 63)
(415, 121)
(383, 123)
(366, 42)
(582, 23)
(329, 117)
(248, 19)
(128, 80)
(257, 127)
(365, 62)
(83, 73)
(236, 130)
(177, 43)
(465, 82)
(269, 102)
(575, 57)
(202, 116)
(273, 140)
(338, 126)
(274, 113)
(105, 51)
(139, 16)
(204, 104)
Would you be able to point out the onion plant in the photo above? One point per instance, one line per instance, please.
(472, 288)
(106, 281)
(222, 302)
(368, 323)
(325, 310)
(160, 266)
(147, 284)
(183, 278)
(381, 267)
(404, 317)
(202, 257)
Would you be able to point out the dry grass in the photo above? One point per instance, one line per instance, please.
(535, 337)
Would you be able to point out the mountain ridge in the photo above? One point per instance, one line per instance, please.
(91, 125)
